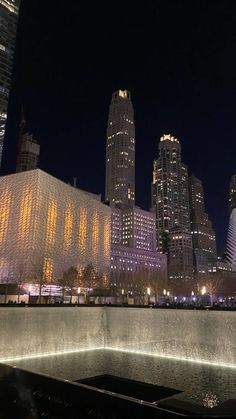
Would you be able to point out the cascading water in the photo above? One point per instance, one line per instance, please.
(201, 336)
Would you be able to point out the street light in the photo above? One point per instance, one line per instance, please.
(203, 290)
(149, 291)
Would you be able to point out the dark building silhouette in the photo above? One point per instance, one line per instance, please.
(28, 149)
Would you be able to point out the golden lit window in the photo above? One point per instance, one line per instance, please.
(25, 215)
(51, 222)
(68, 227)
(82, 228)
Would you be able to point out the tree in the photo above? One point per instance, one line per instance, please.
(20, 276)
(38, 274)
(157, 282)
(210, 285)
(90, 278)
(8, 275)
(69, 279)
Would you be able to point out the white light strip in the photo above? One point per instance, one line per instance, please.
(19, 358)
(173, 358)
(109, 348)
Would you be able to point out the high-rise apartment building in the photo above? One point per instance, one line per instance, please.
(133, 243)
(133, 227)
(232, 192)
(9, 10)
(204, 241)
(28, 150)
(170, 190)
(120, 151)
(180, 255)
(170, 200)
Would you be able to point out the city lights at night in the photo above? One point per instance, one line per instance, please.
(117, 209)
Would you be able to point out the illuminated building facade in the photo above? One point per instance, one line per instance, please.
(133, 227)
(9, 10)
(204, 241)
(170, 199)
(170, 190)
(231, 240)
(120, 151)
(125, 259)
(133, 242)
(47, 226)
(180, 255)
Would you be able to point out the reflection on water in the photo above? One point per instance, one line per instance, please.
(202, 384)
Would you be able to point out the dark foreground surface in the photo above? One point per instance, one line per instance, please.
(26, 395)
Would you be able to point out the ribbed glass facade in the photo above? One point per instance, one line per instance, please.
(47, 226)
(9, 10)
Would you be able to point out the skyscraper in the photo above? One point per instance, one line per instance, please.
(120, 151)
(171, 201)
(28, 150)
(170, 190)
(9, 10)
(231, 240)
(232, 192)
(204, 242)
(231, 236)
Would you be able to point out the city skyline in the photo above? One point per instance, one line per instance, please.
(174, 89)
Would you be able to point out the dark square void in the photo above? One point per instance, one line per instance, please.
(132, 388)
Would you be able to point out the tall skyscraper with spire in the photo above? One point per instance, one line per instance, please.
(120, 151)
(170, 200)
(9, 10)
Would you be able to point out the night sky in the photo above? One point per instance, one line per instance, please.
(178, 59)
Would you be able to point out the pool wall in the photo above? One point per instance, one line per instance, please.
(206, 336)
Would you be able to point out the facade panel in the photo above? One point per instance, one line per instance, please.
(48, 226)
